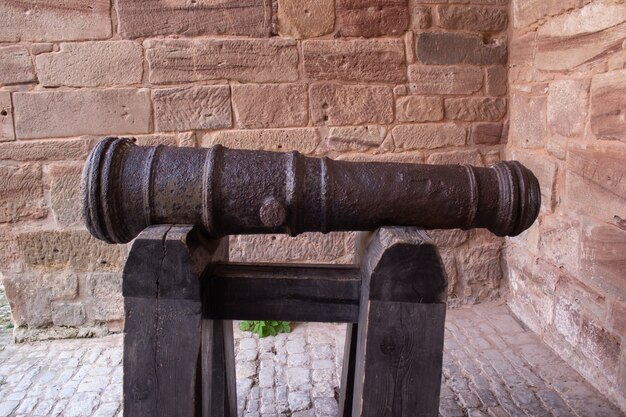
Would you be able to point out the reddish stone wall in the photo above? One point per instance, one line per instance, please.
(381, 80)
(568, 124)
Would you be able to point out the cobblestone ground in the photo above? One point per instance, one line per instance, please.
(492, 367)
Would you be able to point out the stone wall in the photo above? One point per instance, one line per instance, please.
(378, 80)
(568, 124)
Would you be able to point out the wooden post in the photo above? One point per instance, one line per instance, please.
(401, 326)
(170, 346)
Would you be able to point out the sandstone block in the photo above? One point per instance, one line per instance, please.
(165, 139)
(410, 157)
(567, 106)
(526, 12)
(425, 79)
(419, 109)
(452, 238)
(603, 166)
(186, 108)
(303, 140)
(6, 117)
(46, 150)
(457, 157)
(21, 193)
(9, 255)
(421, 18)
(186, 139)
(270, 105)
(545, 170)
(67, 313)
(370, 18)
(447, 48)
(305, 248)
(475, 18)
(65, 194)
(528, 120)
(496, 81)
(16, 66)
(104, 297)
(34, 20)
(583, 195)
(305, 19)
(146, 18)
(337, 104)
(608, 105)
(486, 133)
(30, 295)
(603, 256)
(480, 272)
(567, 320)
(592, 17)
(587, 299)
(559, 241)
(475, 109)
(601, 347)
(252, 60)
(617, 318)
(91, 64)
(428, 136)
(563, 53)
(74, 249)
(355, 138)
(45, 114)
(376, 60)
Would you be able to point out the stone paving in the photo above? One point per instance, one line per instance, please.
(493, 366)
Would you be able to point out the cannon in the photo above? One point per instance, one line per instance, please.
(127, 188)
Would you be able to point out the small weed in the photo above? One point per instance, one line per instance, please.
(265, 328)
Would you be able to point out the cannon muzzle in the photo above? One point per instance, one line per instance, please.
(127, 188)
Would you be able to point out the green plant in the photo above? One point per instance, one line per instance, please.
(265, 328)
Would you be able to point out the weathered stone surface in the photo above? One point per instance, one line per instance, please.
(475, 18)
(305, 19)
(603, 166)
(21, 193)
(337, 104)
(197, 107)
(173, 61)
(165, 139)
(144, 18)
(104, 297)
(593, 17)
(567, 106)
(377, 60)
(584, 196)
(187, 139)
(49, 250)
(355, 138)
(371, 17)
(496, 81)
(303, 140)
(30, 295)
(45, 114)
(528, 120)
(601, 347)
(559, 53)
(67, 313)
(446, 48)
(486, 133)
(559, 241)
(457, 157)
(526, 12)
(47, 150)
(6, 117)
(419, 109)
(421, 18)
(481, 271)
(428, 136)
(34, 20)
(305, 248)
(410, 157)
(91, 64)
(270, 105)
(567, 320)
(16, 66)
(545, 170)
(9, 255)
(475, 109)
(449, 238)
(425, 79)
(65, 194)
(585, 297)
(608, 105)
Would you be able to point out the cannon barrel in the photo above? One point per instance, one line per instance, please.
(127, 188)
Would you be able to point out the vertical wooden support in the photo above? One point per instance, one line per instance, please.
(401, 326)
(168, 340)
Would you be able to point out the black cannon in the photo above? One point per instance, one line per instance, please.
(181, 293)
(230, 191)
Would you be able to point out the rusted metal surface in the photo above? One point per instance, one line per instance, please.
(228, 191)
